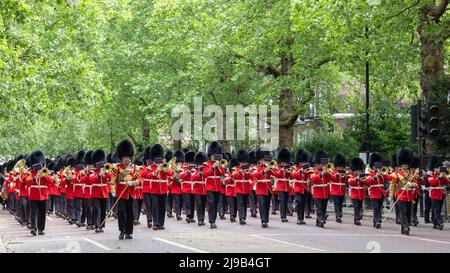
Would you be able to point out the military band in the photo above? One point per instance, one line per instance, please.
(88, 187)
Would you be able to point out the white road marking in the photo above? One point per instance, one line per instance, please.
(326, 234)
(287, 243)
(423, 239)
(180, 245)
(97, 244)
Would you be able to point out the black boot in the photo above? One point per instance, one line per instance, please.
(128, 236)
(33, 231)
(121, 236)
(301, 222)
(242, 222)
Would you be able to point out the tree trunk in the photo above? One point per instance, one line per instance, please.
(432, 63)
(176, 145)
(288, 116)
(286, 136)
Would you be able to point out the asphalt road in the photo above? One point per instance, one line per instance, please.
(228, 237)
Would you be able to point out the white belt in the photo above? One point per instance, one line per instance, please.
(282, 179)
(79, 184)
(436, 188)
(339, 184)
(242, 181)
(263, 180)
(159, 181)
(356, 188)
(320, 185)
(376, 185)
(99, 185)
(39, 186)
(213, 177)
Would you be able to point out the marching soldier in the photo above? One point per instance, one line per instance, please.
(253, 202)
(437, 180)
(144, 176)
(78, 187)
(213, 174)
(69, 177)
(394, 168)
(124, 179)
(87, 211)
(230, 191)
(376, 183)
(138, 194)
(169, 202)
(281, 183)
(338, 185)
(241, 178)
(263, 185)
(199, 188)
(159, 177)
(175, 186)
(187, 186)
(402, 188)
(99, 179)
(418, 182)
(357, 187)
(300, 183)
(38, 181)
(222, 206)
(320, 180)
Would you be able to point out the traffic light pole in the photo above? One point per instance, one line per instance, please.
(420, 152)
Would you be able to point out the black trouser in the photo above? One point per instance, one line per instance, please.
(77, 208)
(308, 203)
(414, 209)
(437, 209)
(125, 215)
(283, 196)
(321, 209)
(169, 203)
(177, 203)
(275, 202)
(213, 201)
(86, 216)
(51, 203)
(242, 200)
(300, 199)
(63, 204)
(428, 209)
(253, 202)
(57, 203)
(38, 214)
(25, 210)
(99, 211)
(158, 209)
(404, 210)
(397, 211)
(377, 205)
(11, 202)
(264, 207)
(223, 205)
(232, 205)
(357, 209)
(338, 201)
(137, 208)
(70, 208)
(200, 206)
(189, 204)
(148, 207)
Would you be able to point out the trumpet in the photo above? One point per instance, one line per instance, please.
(330, 167)
(384, 170)
(272, 164)
(108, 167)
(44, 172)
(223, 163)
(19, 165)
(164, 166)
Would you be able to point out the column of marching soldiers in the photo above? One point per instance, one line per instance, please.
(88, 187)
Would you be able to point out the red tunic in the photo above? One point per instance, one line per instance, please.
(376, 182)
(338, 183)
(357, 190)
(123, 191)
(99, 182)
(262, 181)
(241, 181)
(199, 187)
(229, 187)
(320, 188)
(186, 179)
(437, 184)
(406, 195)
(213, 177)
(281, 177)
(38, 186)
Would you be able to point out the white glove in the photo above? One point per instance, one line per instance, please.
(130, 183)
(422, 187)
(113, 194)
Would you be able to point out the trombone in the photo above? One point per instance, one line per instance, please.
(272, 164)
(44, 172)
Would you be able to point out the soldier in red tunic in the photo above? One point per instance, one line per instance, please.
(187, 186)
(124, 179)
(338, 185)
(144, 176)
(357, 189)
(438, 181)
(230, 191)
(263, 185)
(299, 183)
(87, 211)
(281, 183)
(199, 188)
(376, 181)
(78, 187)
(38, 182)
(175, 186)
(320, 180)
(99, 179)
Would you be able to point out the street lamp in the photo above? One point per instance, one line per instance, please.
(366, 147)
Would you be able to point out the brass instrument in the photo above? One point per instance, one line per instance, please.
(164, 166)
(19, 165)
(330, 167)
(223, 163)
(44, 172)
(272, 164)
(108, 167)
(384, 170)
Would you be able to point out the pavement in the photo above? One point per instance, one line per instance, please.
(180, 237)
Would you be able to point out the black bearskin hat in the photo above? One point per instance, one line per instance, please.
(394, 160)
(88, 157)
(37, 157)
(357, 164)
(319, 155)
(51, 165)
(252, 157)
(79, 157)
(415, 162)
(339, 160)
(138, 162)
(200, 158)
(125, 149)
(98, 156)
(242, 156)
(168, 156)
(185, 150)
(189, 157)
(375, 157)
(233, 163)
(284, 156)
(180, 156)
(156, 150)
(404, 156)
(261, 154)
(301, 156)
(434, 162)
(214, 148)
(147, 153)
(70, 161)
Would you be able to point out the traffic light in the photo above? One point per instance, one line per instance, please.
(433, 120)
(419, 127)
